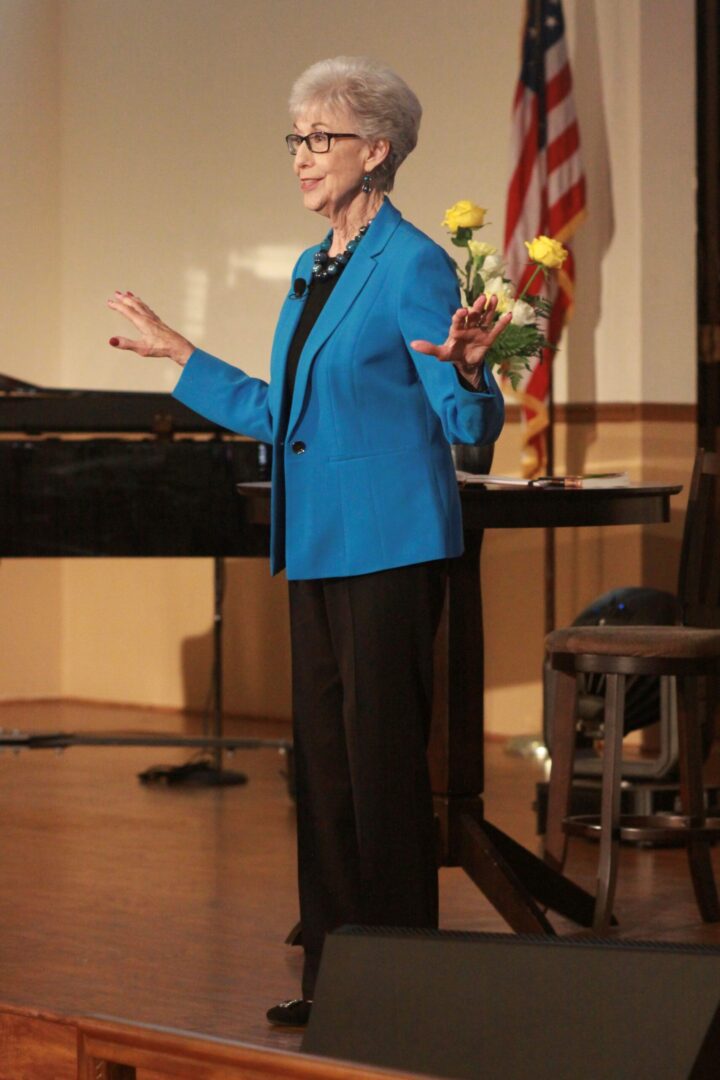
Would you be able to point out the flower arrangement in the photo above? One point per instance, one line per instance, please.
(484, 272)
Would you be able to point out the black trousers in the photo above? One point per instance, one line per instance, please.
(362, 658)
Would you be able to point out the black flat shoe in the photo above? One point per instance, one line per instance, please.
(295, 1013)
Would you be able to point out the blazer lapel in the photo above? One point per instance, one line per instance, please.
(348, 288)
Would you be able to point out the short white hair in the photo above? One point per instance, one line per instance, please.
(381, 103)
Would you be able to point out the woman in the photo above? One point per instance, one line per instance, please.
(361, 408)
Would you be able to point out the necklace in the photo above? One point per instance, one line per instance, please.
(329, 266)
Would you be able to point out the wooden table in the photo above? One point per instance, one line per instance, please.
(517, 883)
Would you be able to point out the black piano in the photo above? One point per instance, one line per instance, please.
(90, 473)
(116, 473)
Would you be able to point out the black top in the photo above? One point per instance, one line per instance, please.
(318, 296)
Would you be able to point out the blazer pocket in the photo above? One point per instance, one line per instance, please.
(392, 504)
(373, 455)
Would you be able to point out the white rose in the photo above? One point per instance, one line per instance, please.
(493, 265)
(522, 314)
(497, 287)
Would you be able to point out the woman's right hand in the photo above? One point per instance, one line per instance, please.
(156, 339)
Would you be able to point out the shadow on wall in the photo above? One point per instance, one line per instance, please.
(594, 236)
(196, 659)
(673, 451)
(256, 647)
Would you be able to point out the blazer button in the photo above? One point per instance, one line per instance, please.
(298, 447)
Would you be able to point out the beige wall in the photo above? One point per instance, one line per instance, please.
(147, 154)
(634, 75)
(30, 137)
(30, 277)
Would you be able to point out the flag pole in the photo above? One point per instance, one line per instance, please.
(550, 563)
(549, 547)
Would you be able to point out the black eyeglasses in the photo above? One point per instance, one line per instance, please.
(318, 142)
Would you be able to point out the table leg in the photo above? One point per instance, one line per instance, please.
(516, 882)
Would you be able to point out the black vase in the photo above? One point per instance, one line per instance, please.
(473, 459)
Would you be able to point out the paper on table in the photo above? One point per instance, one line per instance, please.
(487, 478)
(588, 480)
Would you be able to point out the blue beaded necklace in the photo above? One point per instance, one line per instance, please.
(329, 266)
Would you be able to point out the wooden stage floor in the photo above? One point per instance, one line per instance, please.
(169, 906)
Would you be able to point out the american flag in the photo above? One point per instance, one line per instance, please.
(546, 196)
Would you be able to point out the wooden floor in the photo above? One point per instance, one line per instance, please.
(168, 906)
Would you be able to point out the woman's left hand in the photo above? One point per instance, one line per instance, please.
(472, 332)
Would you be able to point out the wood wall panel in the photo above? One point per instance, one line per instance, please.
(613, 412)
(36, 1049)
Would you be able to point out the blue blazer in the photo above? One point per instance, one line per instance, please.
(363, 477)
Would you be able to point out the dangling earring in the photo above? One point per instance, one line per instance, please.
(366, 183)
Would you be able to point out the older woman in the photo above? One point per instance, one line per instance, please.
(361, 408)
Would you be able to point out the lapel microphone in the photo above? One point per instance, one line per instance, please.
(299, 287)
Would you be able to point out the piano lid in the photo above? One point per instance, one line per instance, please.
(39, 410)
(9, 384)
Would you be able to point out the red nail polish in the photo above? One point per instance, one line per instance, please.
(114, 341)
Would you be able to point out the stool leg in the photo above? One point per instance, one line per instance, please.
(610, 807)
(690, 720)
(561, 772)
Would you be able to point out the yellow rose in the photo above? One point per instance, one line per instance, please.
(547, 252)
(464, 215)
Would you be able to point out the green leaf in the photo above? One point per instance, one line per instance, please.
(542, 306)
(515, 376)
(516, 342)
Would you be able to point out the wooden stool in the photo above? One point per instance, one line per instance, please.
(689, 652)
